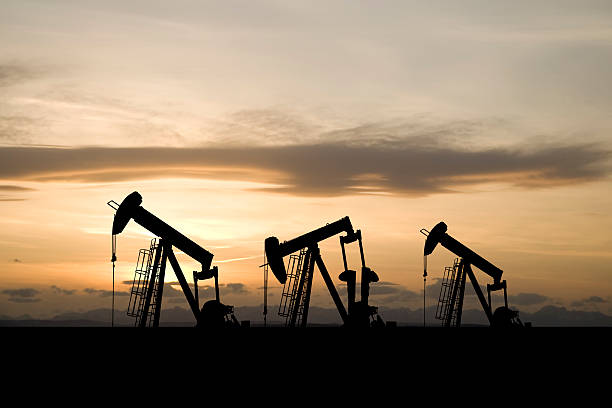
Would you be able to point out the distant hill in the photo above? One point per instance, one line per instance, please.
(560, 316)
(52, 323)
(548, 316)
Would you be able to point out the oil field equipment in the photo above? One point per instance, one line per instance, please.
(450, 302)
(297, 277)
(148, 285)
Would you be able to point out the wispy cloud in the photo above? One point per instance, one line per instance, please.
(62, 291)
(236, 288)
(22, 295)
(238, 259)
(527, 299)
(11, 199)
(17, 73)
(592, 300)
(104, 293)
(14, 188)
(25, 292)
(386, 292)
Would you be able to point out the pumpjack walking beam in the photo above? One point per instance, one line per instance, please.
(131, 208)
(438, 235)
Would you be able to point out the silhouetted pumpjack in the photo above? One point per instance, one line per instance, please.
(503, 316)
(359, 313)
(213, 313)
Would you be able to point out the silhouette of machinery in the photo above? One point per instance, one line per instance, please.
(297, 281)
(148, 284)
(450, 302)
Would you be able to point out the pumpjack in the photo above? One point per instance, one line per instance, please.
(297, 283)
(148, 284)
(453, 285)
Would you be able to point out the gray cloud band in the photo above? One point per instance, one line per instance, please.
(325, 169)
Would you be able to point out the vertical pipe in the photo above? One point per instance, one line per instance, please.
(113, 303)
(195, 289)
(351, 279)
(365, 285)
(265, 291)
(365, 281)
(351, 284)
(358, 233)
(217, 287)
(424, 285)
(343, 254)
(505, 295)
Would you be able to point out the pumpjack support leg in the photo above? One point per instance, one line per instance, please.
(486, 307)
(332, 289)
(160, 287)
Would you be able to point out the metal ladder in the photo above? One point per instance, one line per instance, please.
(295, 268)
(144, 276)
(305, 294)
(450, 280)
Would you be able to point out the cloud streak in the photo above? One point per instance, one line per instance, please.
(23, 295)
(415, 167)
(13, 189)
(590, 301)
(104, 293)
(527, 299)
(62, 291)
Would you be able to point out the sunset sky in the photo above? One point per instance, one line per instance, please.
(239, 120)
